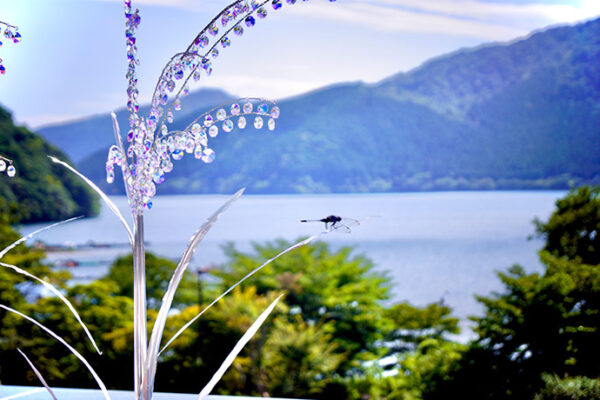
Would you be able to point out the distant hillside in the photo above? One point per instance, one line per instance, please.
(42, 190)
(522, 115)
(81, 138)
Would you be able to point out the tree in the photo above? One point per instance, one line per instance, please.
(323, 287)
(158, 274)
(541, 323)
(573, 230)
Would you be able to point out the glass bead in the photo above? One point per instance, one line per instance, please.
(242, 122)
(202, 41)
(214, 53)
(208, 120)
(208, 156)
(177, 154)
(170, 86)
(196, 129)
(261, 13)
(110, 175)
(271, 124)
(198, 152)
(249, 21)
(235, 109)
(258, 122)
(213, 29)
(238, 30)
(221, 114)
(11, 171)
(228, 125)
(275, 112)
(2, 166)
(166, 165)
(158, 177)
(263, 108)
(226, 17)
(276, 4)
(213, 131)
(248, 108)
(189, 145)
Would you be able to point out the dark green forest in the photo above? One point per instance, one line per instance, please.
(43, 190)
(537, 338)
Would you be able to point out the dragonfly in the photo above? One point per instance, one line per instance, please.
(335, 223)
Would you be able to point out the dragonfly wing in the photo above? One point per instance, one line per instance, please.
(339, 227)
(349, 222)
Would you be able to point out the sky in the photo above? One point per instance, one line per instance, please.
(71, 61)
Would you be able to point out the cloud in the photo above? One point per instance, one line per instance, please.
(269, 87)
(499, 20)
(188, 5)
(466, 18)
(477, 9)
(385, 18)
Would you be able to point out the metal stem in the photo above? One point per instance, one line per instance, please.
(140, 341)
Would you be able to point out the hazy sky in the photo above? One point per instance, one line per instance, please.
(71, 62)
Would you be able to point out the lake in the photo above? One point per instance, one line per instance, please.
(435, 246)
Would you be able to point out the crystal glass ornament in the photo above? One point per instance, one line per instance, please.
(11, 33)
(150, 155)
(6, 165)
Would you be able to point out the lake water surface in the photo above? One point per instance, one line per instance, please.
(444, 245)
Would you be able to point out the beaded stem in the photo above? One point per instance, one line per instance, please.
(11, 32)
(6, 165)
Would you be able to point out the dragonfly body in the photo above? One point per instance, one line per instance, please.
(335, 222)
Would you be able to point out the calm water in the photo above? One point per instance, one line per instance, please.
(433, 245)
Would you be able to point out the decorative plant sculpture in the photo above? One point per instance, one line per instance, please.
(6, 165)
(10, 32)
(151, 149)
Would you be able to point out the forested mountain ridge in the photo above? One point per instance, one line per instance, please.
(40, 190)
(520, 115)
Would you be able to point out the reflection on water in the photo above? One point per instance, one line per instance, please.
(434, 246)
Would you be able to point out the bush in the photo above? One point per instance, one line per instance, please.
(579, 388)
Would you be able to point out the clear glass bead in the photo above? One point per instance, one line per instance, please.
(228, 125)
(208, 156)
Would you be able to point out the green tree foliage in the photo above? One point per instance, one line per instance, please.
(324, 287)
(580, 388)
(540, 323)
(43, 190)
(573, 230)
(414, 325)
(323, 341)
(158, 274)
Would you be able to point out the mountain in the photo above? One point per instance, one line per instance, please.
(519, 115)
(84, 137)
(43, 190)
